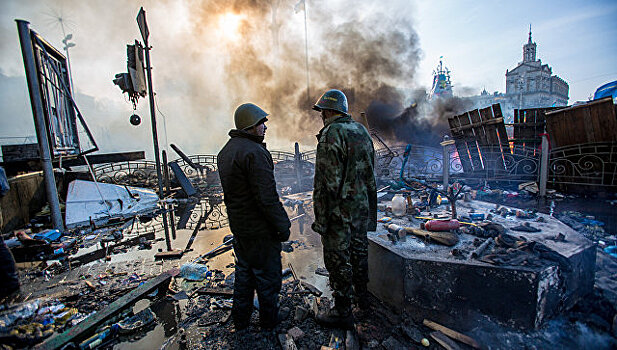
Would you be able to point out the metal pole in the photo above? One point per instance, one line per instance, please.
(544, 165)
(445, 144)
(155, 139)
(39, 122)
(172, 221)
(298, 166)
(308, 89)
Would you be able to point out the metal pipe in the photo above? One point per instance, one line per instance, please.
(298, 167)
(172, 219)
(155, 139)
(39, 123)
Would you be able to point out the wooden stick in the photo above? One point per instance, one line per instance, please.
(444, 341)
(451, 333)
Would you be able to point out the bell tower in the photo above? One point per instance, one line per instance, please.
(529, 49)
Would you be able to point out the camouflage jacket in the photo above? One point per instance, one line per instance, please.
(345, 189)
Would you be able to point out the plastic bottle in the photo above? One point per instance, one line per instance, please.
(399, 205)
(194, 272)
(99, 338)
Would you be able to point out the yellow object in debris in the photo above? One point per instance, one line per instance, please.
(425, 342)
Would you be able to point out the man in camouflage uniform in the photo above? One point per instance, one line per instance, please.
(345, 204)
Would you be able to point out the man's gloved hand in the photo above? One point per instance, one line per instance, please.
(283, 236)
(321, 229)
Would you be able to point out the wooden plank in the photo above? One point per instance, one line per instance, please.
(527, 134)
(531, 129)
(494, 159)
(21, 152)
(604, 122)
(470, 140)
(86, 327)
(518, 125)
(452, 333)
(461, 147)
(170, 254)
(100, 253)
(227, 292)
(577, 130)
(480, 134)
(501, 129)
(444, 341)
(554, 127)
(590, 131)
(106, 158)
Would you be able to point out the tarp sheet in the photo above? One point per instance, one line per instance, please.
(84, 202)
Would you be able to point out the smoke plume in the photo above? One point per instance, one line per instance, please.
(210, 56)
(365, 53)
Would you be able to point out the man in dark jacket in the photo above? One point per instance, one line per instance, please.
(345, 205)
(256, 217)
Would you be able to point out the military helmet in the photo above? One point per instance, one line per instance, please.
(248, 115)
(334, 100)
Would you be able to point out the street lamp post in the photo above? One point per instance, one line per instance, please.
(68, 45)
(143, 27)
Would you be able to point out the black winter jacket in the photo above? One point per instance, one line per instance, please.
(246, 170)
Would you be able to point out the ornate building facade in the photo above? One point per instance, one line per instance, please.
(532, 84)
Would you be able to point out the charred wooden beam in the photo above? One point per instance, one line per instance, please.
(106, 158)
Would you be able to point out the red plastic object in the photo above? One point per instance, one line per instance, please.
(442, 225)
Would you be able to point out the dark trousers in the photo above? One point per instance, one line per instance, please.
(258, 268)
(8, 272)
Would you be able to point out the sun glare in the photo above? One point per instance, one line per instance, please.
(229, 24)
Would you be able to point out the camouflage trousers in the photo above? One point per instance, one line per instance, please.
(345, 251)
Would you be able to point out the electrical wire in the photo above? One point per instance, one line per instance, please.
(164, 126)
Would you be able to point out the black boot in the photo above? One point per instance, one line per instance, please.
(338, 317)
(361, 298)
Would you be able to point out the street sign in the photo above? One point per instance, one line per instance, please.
(143, 26)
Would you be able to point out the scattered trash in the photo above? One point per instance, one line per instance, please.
(50, 235)
(17, 312)
(611, 250)
(476, 216)
(525, 227)
(442, 225)
(137, 322)
(107, 334)
(194, 272)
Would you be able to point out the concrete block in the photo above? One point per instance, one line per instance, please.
(426, 281)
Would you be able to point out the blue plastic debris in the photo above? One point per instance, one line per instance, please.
(194, 272)
(49, 235)
(611, 250)
(476, 216)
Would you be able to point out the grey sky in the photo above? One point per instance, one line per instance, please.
(478, 39)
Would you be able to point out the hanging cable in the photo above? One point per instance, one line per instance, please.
(164, 126)
(96, 183)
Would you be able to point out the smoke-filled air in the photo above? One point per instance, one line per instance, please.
(370, 56)
(210, 56)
